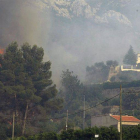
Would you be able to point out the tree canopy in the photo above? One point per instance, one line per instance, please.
(99, 72)
(111, 63)
(130, 57)
(26, 85)
(73, 88)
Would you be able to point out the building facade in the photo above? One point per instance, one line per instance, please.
(113, 120)
(138, 58)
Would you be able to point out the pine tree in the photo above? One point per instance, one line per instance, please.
(25, 81)
(130, 57)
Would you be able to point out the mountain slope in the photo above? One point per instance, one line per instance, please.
(99, 11)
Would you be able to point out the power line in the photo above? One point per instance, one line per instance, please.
(113, 97)
(80, 111)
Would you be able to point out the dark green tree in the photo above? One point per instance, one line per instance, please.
(131, 132)
(111, 63)
(72, 85)
(130, 57)
(131, 100)
(72, 92)
(26, 84)
(97, 73)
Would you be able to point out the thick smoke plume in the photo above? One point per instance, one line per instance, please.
(69, 43)
(20, 21)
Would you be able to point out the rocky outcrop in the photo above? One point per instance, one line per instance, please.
(97, 10)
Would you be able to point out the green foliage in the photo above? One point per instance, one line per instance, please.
(109, 85)
(131, 100)
(131, 132)
(128, 76)
(20, 138)
(3, 134)
(73, 89)
(112, 79)
(25, 83)
(93, 94)
(124, 78)
(67, 135)
(130, 57)
(47, 136)
(71, 83)
(99, 72)
(115, 101)
(105, 133)
(87, 134)
(106, 110)
(48, 126)
(111, 63)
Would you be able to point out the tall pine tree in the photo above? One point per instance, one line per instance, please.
(130, 57)
(26, 85)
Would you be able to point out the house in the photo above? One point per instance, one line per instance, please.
(138, 59)
(113, 120)
(132, 67)
(129, 68)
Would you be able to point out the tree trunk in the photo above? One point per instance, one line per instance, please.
(24, 121)
(13, 127)
(16, 107)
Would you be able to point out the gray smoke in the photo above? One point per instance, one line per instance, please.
(70, 43)
(20, 21)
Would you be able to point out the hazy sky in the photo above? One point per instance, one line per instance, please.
(76, 43)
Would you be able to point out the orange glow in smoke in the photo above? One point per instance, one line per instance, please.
(1, 51)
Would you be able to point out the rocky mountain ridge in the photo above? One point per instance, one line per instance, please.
(99, 11)
(83, 32)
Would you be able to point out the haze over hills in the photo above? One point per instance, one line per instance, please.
(80, 37)
(74, 33)
(98, 10)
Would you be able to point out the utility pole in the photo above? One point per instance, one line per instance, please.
(133, 113)
(120, 112)
(13, 129)
(84, 114)
(67, 121)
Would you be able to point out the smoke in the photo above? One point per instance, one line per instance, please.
(83, 44)
(68, 43)
(20, 21)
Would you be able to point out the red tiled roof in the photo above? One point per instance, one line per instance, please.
(125, 118)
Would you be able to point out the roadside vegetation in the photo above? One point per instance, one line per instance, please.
(103, 133)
